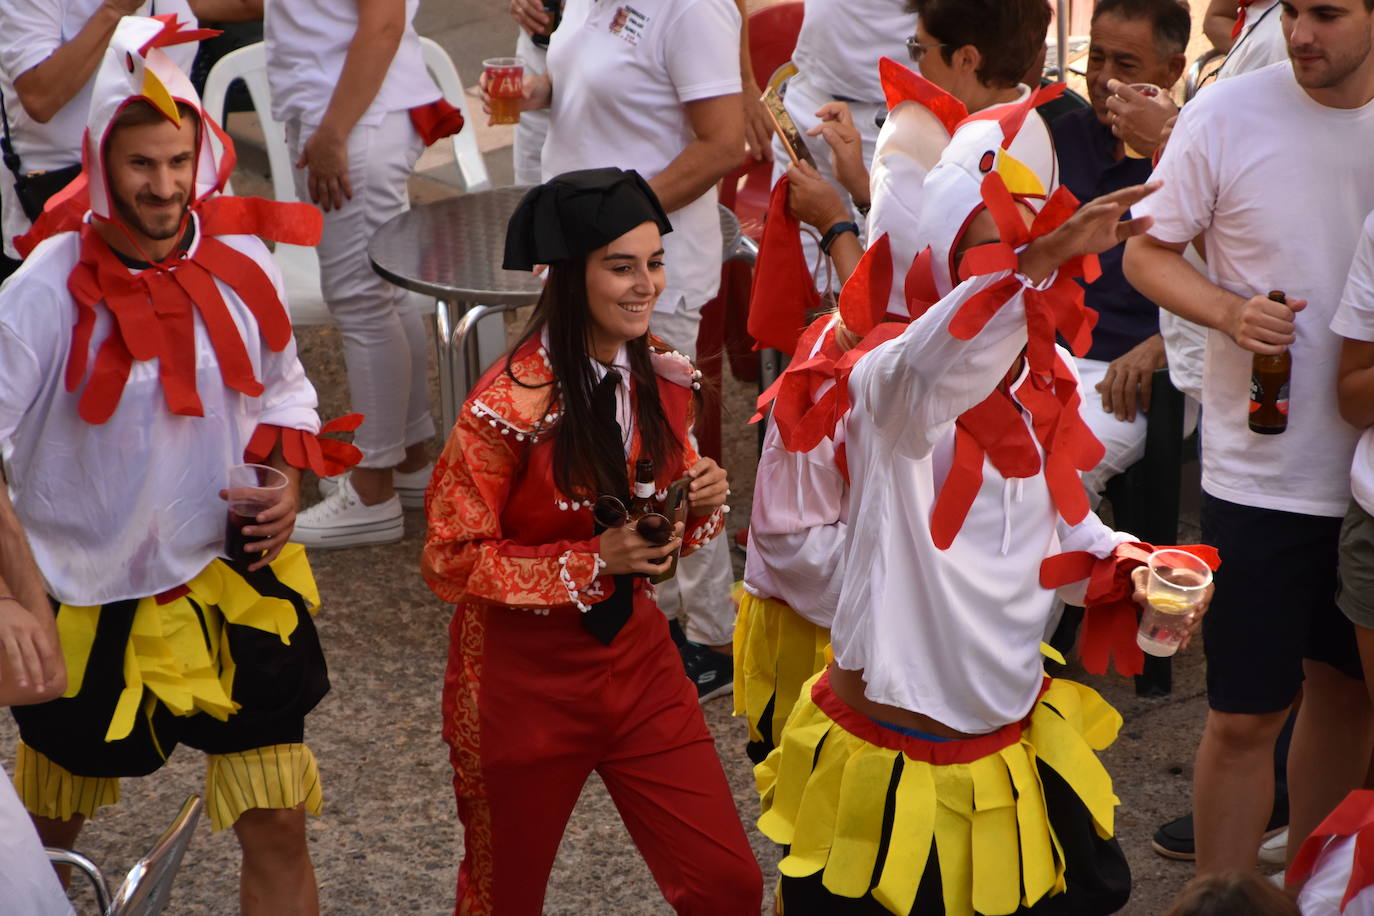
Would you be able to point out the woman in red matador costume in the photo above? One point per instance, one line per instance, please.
(560, 663)
(793, 569)
(932, 768)
(146, 350)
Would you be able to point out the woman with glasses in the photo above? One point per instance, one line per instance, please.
(560, 662)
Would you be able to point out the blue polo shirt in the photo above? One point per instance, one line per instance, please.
(1086, 166)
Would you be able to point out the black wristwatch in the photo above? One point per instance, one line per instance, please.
(835, 232)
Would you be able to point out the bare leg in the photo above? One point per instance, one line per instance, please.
(1331, 746)
(1233, 788)
(417, 456)
(373, 485)
(376, 485)
(278, 878)
(61, 834)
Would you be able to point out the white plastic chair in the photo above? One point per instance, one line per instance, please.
(299, 265)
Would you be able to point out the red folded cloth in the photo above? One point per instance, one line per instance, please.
(435, 121)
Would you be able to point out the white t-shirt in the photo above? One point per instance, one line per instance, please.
(28, 884)
(1281, 186)
(621, 75)
(1259, 44)
(841, 41)
(130, 507)
(307, 41)
(953, 634)
(1355, 319)
(30, 31)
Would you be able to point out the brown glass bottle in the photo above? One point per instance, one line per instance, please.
(554, 10)
(643, 502)
(1269, 381)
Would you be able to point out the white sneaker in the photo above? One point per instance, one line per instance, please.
(341, 520)
(410, 486)
(1274, 851)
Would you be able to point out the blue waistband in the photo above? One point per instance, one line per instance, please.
(912, 733)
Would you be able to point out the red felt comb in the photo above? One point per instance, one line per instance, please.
(173, 33)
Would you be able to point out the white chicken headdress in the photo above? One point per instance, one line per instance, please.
(136, 68)
(155, 308)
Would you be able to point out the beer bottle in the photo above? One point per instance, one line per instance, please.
(554, 9)
(643, 502)
(1269, 378)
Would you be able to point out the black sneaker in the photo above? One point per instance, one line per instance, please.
(1175, 839)
(713, 672)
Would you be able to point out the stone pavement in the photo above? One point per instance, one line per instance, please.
(389, 841)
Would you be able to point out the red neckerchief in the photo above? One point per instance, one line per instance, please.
(783, 291)
(995, 429)
(1241, 6)
(1111, 614)
(154, 309)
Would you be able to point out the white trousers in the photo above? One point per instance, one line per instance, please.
(700, 592)
(1124, 440)
(801, 101)
(384, 345)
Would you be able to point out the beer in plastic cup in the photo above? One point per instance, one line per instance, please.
(1178, 580)
(505, 88)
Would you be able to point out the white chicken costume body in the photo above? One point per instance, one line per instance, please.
(961, 439)
(800, 512)
(129, 390)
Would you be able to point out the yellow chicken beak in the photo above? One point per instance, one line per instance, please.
(157, 94)
(1020, 180)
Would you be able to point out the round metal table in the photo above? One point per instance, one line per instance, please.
(452, 250)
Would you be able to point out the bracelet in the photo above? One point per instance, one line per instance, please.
(835, 232)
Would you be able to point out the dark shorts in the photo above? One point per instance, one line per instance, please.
(275, 685)
(1275, 605)
(1356, 595)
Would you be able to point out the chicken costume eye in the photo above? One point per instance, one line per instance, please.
(129, 61)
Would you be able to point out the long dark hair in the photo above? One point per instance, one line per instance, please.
(587, 463)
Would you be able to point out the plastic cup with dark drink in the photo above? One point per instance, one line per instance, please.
(252, 489)
(1178, 582)
(505, 84)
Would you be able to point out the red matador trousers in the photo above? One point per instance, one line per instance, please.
(532, 705)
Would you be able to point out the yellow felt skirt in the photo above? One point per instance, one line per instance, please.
(776, 652)
(226, 663)
(978, 802)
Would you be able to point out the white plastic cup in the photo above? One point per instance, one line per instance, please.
(1178, 580)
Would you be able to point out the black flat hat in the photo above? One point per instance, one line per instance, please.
(578, 212)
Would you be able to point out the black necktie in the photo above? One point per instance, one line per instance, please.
(605, 618)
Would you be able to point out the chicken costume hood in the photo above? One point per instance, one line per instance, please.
(154, 308)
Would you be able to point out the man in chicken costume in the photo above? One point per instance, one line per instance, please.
(932, 767)
(797, 527)
(146, 349)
